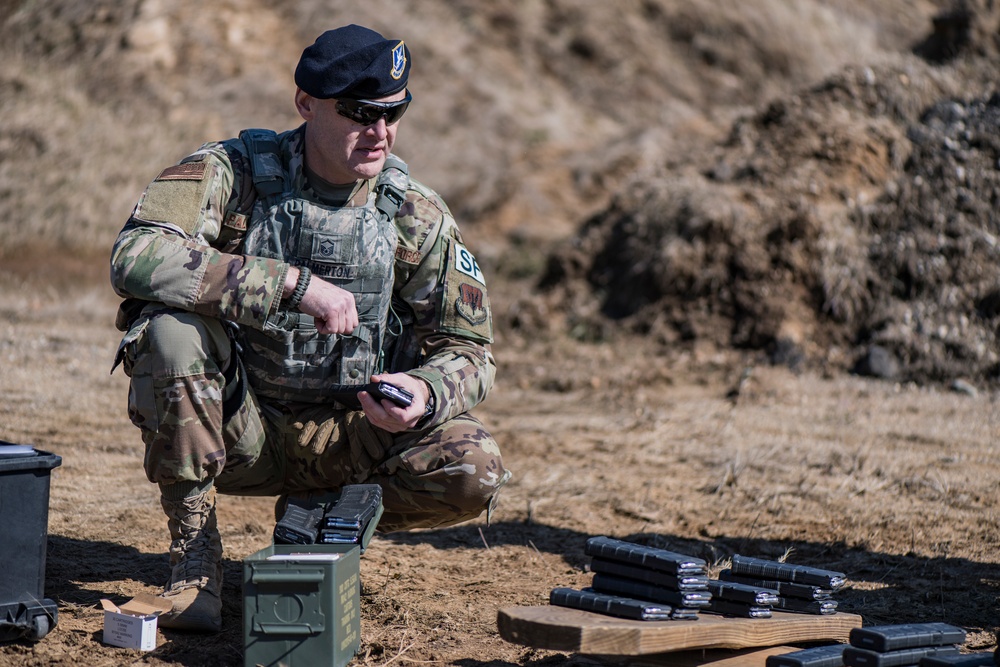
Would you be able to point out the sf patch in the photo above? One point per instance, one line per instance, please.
(466, 309)
(467, 264)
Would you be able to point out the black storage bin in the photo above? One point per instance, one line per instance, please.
(24, 518)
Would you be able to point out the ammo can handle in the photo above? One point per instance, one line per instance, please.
(296, 629)
(264, 577)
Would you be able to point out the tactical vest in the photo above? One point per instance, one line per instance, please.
(352, 247)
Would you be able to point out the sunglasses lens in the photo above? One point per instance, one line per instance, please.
(393, 115)
(368, 113)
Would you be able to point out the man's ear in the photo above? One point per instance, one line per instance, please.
(304, 103)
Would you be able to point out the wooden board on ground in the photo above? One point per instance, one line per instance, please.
(563, 629)
(716, 657)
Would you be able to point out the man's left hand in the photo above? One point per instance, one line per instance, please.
(390, 417)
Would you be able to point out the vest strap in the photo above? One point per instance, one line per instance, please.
(268, 176)
(390, 189)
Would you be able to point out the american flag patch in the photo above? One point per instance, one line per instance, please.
(189, 171)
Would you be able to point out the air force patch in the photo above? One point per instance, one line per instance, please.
(469, 304)
(398, 61)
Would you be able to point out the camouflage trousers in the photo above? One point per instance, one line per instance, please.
(199, 420)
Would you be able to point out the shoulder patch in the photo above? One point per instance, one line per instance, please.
(177, 196)
(189, 171)
(466, 308)
(470, 304)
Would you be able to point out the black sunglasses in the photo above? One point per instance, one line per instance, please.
(366, 112)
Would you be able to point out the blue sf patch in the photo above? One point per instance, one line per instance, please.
(398, 61)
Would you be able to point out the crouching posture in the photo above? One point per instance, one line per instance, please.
(265, 278)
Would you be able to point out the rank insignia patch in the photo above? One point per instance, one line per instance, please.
(330, 249)
(469, 304)
(327, 248)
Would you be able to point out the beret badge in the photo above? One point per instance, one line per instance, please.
(398, 61)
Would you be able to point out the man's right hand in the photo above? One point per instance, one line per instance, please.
(331, 307)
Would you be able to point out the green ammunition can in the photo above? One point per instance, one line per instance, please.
(301, 605)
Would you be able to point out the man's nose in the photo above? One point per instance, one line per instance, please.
(380, 128)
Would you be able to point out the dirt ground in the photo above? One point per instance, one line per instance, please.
(701, 452)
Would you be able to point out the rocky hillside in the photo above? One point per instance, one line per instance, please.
(810, 180)
(527, 114)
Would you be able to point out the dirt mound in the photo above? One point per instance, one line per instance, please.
(937, 301)
(851, 225)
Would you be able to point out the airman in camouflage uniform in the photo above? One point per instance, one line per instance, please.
(265, 277)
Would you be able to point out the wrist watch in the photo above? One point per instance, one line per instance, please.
(428, 408)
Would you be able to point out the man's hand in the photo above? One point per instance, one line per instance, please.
(390, 417)
(332, 308)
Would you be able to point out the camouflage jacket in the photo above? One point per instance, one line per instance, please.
(181, 246)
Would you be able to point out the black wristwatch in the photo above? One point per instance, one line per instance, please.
(428, 411)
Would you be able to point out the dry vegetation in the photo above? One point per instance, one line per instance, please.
(696, 217)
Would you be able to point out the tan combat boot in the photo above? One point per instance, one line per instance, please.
(195, 586)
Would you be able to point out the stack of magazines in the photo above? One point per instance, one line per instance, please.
(764, 585)
(639, 582)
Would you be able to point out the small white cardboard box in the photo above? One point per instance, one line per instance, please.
(133, 625)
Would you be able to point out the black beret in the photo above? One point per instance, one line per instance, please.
(354, 62)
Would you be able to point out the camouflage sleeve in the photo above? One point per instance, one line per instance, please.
(439, 279)
(166, 251)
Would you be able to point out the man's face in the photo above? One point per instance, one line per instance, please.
(339, 149)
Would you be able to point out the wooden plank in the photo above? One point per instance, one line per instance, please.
(748, 657)
(563, 629)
